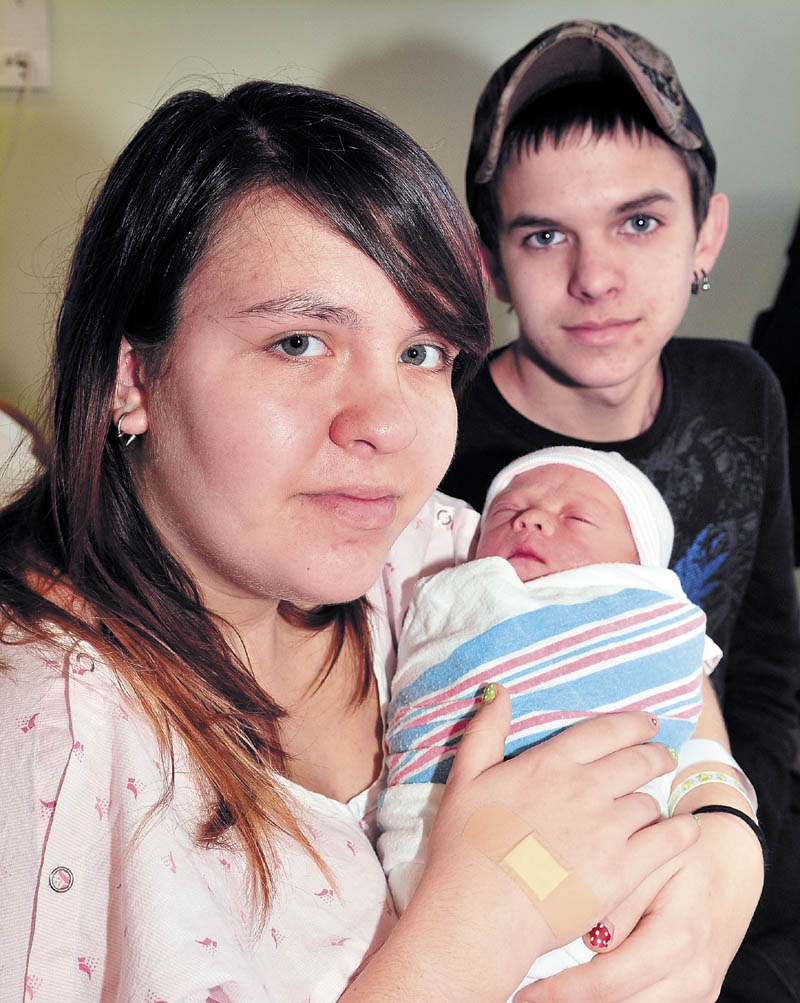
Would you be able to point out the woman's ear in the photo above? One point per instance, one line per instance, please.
(129, 397)
(712, 233)
(493, 271)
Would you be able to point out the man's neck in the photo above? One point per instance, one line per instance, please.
(606, 414)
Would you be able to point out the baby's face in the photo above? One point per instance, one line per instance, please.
(553, 518)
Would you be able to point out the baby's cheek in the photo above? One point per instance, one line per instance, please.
(491, 544)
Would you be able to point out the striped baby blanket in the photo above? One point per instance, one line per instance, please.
(593, 640)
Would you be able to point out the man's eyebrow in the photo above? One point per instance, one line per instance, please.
(643, 201)
(524, 221)
(307, 305)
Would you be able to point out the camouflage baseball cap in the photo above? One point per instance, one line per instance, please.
(577, 51)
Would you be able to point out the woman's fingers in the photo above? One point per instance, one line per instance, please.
(483, 743)
(637, 810)
(629, 769)
(686, 937)
(564, 809)
(618, 976)
(600, 736)
(615, 928)
(622, 976)
(619, 748)
(661, 842)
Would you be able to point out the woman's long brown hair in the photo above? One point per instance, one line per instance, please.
(78, 553)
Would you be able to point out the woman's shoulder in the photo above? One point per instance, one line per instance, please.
(441, 535)
(35, 664)
(61, 699)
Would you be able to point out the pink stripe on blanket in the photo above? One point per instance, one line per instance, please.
(546, 650)
(455, 696)
(429, 747)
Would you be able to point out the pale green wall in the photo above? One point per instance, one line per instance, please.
(423, 64)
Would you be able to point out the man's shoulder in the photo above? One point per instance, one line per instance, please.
(721, 372)
(722, 354)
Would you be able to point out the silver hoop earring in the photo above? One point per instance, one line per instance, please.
(121, 434)
(701, 283)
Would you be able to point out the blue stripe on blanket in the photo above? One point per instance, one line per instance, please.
(593, 686)
(673, 732)
(537, 626)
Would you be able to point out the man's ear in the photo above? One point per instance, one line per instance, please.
(129, 398)
(712, 233)
(495, 275)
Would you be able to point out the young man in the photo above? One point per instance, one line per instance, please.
(591, 179)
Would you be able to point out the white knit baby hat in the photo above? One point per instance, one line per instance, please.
(647, 512)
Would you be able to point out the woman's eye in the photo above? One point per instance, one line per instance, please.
(300, 346)
(545, 238)
(641, 223)
(425, 356)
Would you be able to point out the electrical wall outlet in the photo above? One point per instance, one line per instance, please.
(24, 44)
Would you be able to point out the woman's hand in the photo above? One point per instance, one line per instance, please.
(471, 931)
(694, 913)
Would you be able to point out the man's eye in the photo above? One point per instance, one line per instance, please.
(545, 238)
(300, 346)
(641, 223)
(425, 356)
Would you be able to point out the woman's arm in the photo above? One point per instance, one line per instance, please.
(678, 932)
(689, 921)
(472, 929)
(711, 729)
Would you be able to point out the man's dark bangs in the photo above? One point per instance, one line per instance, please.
(602, 107)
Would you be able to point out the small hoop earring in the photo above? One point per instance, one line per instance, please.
(701, 283)
(121, 434)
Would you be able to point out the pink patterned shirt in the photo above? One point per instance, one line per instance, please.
(98, 907)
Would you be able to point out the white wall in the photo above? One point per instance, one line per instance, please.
(423, 64)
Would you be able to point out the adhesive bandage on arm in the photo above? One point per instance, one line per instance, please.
(560, 894)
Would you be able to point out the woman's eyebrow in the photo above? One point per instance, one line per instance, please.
(307, 305)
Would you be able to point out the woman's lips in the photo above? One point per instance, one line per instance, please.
(361, 510)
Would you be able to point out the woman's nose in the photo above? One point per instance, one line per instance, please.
(374, 415)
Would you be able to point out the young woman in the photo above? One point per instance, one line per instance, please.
(272, 299)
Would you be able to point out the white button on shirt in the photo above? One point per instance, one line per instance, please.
(60, 879)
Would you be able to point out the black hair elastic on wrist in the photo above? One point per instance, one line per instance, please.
(728, 810)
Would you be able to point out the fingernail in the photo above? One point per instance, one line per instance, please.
(599, 936)
(489, 693)
(654, 721)
(673, 752)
